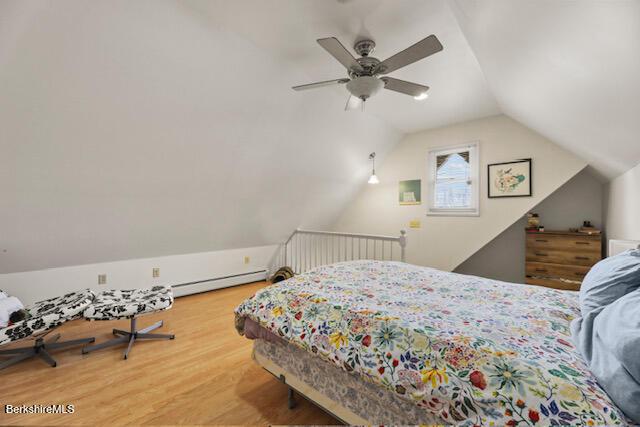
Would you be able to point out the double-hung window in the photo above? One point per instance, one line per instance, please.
(453, 181)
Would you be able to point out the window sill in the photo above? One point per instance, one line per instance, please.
(453, 213)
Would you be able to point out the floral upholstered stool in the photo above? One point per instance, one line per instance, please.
(129, 304)
(44, 316)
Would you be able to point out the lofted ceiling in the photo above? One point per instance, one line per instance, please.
(287, 30)
(157, 127)
(569, 70)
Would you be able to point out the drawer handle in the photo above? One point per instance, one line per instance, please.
(583, 258)
(541, 254)
(541, 240)
(541, 270)
(583, 243)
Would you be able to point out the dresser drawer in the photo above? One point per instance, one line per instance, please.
(568, 243)
(556, 284)
(571, 272)
(558, 256)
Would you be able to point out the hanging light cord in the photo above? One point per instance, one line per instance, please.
(372, 156)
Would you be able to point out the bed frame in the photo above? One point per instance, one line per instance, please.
(307, 249)
(296, 386)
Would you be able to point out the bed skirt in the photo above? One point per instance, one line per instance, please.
(347, 396)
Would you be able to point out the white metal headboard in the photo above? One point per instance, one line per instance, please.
(616, 246)
(307, 249)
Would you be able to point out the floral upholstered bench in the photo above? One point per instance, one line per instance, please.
(129, 304)
(43, 317)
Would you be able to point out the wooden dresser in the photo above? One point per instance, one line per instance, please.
(561, 259)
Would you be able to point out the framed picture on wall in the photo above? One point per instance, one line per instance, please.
(510, 179)
(410, 192)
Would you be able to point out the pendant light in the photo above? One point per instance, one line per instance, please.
(373, 179)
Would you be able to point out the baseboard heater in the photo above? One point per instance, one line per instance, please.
(218, 283)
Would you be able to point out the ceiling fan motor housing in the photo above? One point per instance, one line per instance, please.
(365, 87)
(368, 63)
(364, 47)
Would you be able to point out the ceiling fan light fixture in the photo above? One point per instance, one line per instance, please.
(365, 87)
(422, 96)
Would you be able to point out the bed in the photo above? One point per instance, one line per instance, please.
(388, 342)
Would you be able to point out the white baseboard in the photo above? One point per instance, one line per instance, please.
(218, 283)
(221, 268)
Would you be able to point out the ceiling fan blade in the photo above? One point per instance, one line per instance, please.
(353, 103)
(338, 51)
(405, 87)
(418, 51)
(321, 84)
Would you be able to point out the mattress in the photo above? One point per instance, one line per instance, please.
(462, 349)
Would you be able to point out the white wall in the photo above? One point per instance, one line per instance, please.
(503, 258)
(136, 273)
(444, 242)
(622, 206)
(142, 129)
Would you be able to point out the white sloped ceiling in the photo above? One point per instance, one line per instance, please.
(570, 70)
(288, 30)
(156, 127)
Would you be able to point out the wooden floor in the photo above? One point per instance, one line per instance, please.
(204, 376)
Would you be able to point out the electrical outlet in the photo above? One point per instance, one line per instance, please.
(102, 279)
(247, 260)
(155, 272)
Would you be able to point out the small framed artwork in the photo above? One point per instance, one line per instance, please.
(410, 192)
(510, 179)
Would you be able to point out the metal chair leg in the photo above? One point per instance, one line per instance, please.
(155, 336)
(151, 328)
(19, 358)
(44, 354)
(130, 337)
(40, 348)
(106, 344)
(131, 341)
(16, 350)
(70, 343)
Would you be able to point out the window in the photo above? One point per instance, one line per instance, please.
(453, 181)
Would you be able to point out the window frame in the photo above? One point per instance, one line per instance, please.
(474, 164)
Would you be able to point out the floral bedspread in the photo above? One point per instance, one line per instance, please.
(467, 349)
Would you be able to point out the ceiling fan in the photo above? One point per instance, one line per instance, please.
(367, 74)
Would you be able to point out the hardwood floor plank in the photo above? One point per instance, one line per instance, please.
(204, 376)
